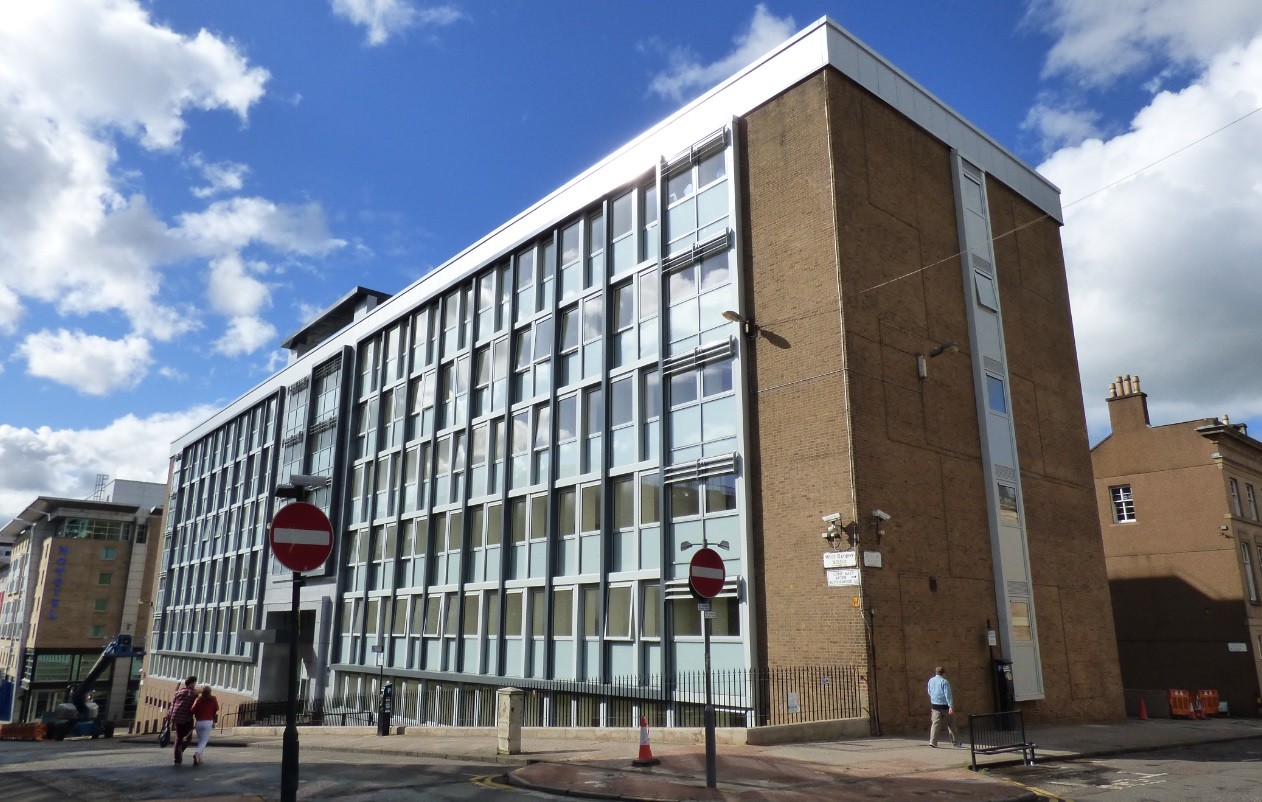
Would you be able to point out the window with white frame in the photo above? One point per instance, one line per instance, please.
(519, 454)
(595, 248)
(1234, 487)
(697, 294)
(1123, 504)
(542, 462)
(1250, 580)
(623, 449)
(571, 259)
(703, 411)
(593, 428)
(1252, 499)
(620, 612)
(524, 284)
(646, 311)
(422, 339)
(567, 440)
(996, 398)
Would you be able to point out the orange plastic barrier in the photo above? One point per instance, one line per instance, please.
(1209, 701)
(1180, 704)
(26, 731)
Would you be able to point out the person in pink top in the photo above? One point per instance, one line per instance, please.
(205, 715)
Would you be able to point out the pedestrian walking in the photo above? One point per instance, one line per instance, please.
(942, 704)
(180, 716)
(205, 716)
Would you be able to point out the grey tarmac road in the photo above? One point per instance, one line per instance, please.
(1221, 772)
(110, 770)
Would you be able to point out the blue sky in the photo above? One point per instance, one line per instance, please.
(185, 182)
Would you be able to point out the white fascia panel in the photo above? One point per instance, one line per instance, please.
(820, 44)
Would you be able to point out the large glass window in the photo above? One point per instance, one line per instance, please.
(622, 233)
(697, 295)
(571, 260)
(697, 202)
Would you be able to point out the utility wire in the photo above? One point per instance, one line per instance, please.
(1045, 216)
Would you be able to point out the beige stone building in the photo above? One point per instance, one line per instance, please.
(1179, 511)
(813, 301)
(81, 572)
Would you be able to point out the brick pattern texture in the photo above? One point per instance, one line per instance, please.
(852, 269)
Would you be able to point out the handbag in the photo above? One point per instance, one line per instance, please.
(164, 736)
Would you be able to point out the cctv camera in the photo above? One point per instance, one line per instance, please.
(831, 519)
(881, 515)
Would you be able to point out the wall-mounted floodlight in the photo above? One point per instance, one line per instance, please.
(688, 544)
(922, 361)
(747, 326)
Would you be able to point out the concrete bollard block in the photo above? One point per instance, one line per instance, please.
(508, 717)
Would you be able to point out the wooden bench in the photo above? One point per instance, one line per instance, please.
(993, 733)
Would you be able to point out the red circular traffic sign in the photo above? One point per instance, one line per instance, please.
(301, 536)
(706, 574)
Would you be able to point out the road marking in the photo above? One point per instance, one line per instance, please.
(490, 781)
(1034, 789)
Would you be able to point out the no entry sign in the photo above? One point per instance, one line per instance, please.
(706, 574)
(301, 537)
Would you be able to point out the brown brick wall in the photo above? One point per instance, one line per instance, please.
(915, 444)
(1176, 575)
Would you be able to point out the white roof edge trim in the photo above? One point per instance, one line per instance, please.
(822, 43)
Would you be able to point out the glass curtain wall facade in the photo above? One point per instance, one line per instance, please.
(534, 446)
(216, 548)
(521, 465)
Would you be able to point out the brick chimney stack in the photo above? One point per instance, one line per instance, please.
(1128, 405)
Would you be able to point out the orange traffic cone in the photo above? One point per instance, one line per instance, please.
(1143, 710)
(646, 754)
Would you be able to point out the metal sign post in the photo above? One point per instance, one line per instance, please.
(706, 575)
(289, 742)
(302, 539)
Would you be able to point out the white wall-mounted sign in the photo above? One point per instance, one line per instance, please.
(1237, 647)
(842, 577)
(840, 559)
(872, 559)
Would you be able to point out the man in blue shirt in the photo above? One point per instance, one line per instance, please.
(943, 705)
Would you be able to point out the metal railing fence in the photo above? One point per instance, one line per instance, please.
(742, 698)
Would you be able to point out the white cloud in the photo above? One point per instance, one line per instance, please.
(245, 335)
(236, 293)
(88, 363)
(1058, 127)
(687, 73)
(65, 462)
(10, 310)
(75, 76)
(1098, 42)
(230, 225)
(1163, 266)
(233, 291)
(219, 176)
(386, 18)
